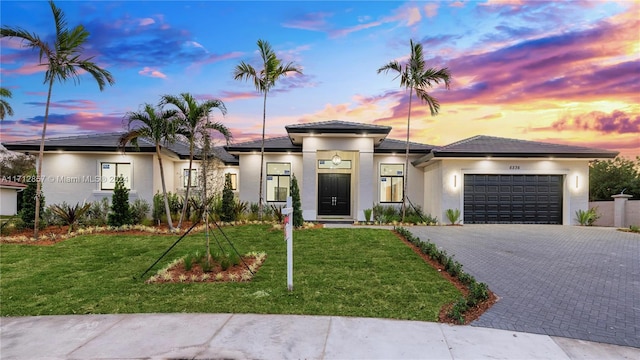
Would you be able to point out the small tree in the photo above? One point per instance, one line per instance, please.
(298, 220)
(611, 177)
(29, 204)
(228, 207)
(120, 212)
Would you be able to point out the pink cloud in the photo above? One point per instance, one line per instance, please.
(229, 96)
(152, 72)
(617, 122)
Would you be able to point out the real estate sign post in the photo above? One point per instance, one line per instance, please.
(288, 236)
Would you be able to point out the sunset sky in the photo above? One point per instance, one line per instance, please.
(565, 72)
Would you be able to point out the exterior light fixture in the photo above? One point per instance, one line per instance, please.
(336, 159)
(455, 181)
(576, 181)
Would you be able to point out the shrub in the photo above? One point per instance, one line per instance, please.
(227, 211)
(120, 212)
(139, 210)
(298, 220)
(98, 213)
(28, 212)
(478, 292)
(587, 218)
(453, 216)
(70, 215)
(158, 208)
(367, 214)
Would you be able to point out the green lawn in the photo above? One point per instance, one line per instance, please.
(344, 272)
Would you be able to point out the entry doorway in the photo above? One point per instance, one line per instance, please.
(334, 194)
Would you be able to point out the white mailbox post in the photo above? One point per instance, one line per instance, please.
(288, 236)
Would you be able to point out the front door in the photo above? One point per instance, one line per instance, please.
(334, 194)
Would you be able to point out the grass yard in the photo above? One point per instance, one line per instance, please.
(343, 272)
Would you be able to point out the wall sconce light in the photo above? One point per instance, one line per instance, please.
(576, 181)
(455, 181)
(336, 159)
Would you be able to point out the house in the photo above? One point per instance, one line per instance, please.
(9, 196)
(83, 168)
(342, 169)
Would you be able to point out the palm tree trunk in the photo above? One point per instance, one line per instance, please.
(186, 194)
(406, 160)
(264, 123)
(36, 221)
(164, 189)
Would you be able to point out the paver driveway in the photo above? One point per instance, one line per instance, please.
(568, 281)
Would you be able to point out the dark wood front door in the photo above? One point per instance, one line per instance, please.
(334, 194)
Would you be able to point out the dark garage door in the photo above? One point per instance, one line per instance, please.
(512, 199)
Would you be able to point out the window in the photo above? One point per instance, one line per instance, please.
(234, 180)
(109, 171)
(278, 179)
(391, 182)
(194, 177)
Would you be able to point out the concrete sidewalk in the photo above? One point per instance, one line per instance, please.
(247, 336)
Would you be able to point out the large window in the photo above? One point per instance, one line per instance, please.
(194, 177)
(278, 181)
(391, 182)
(109, 171)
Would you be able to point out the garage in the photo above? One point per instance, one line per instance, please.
(512, 199)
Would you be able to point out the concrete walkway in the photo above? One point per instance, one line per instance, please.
(569, 281)
(246, 336)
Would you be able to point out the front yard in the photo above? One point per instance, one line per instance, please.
(342, 272)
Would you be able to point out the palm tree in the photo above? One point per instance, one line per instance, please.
(415, 76)
(157, 126)
(264, 80)
(5, 108)
(63, 62)
(192, 119)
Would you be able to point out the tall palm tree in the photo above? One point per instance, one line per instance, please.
(158, 126)
(5, 108)
(415, 76)
(265, 79)
(63, 61)
(192, 120)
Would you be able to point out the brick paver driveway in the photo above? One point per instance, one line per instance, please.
(568, 281)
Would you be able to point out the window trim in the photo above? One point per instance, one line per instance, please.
(287, 174)
(105, 180)
(391, 177)
(194, 179)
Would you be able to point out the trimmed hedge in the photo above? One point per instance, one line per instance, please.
(478, 292)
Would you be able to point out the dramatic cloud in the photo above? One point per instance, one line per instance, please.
(616, 122)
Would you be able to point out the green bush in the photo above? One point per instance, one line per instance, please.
(298, 220)
(453, 216)
(139, 210)
(227, 211)
(28, 212)
(69, 215)
(120, 212)
(587, 218)
(98, 213)
(478, 292)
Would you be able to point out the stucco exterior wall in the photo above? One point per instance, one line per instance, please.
(249, 173)
(433, 190)
(575, 189)
(8, 201)
(74, 177)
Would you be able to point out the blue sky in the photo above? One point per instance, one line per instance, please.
(566, 72)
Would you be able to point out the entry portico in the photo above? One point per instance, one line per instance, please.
(337, 165)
